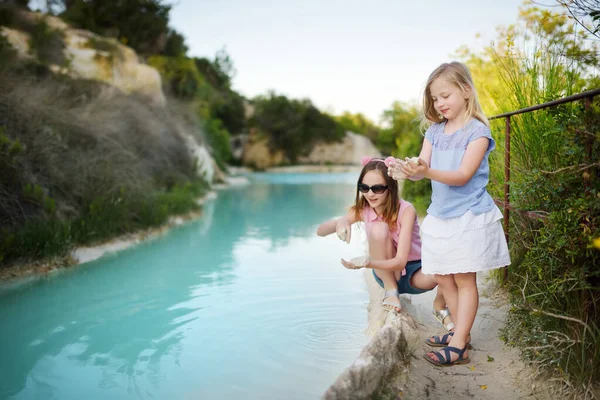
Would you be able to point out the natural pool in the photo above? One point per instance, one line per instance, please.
(245, 302)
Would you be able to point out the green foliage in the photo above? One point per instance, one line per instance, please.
(403, 128)
(141, 24)
(8, 55)
(104, 217)
(99, 43)
(220, 72)
(175, 45)
(118, 167)
(358, 123)
(228, 106)
(218, 140)
(554, 280)
(558, 270)
(47, 44)
(223, 103)
(293, 126)
(180, 75)
(7, 15)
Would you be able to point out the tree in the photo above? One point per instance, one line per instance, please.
(19, 3)
(175, 44)
(580, 10)
(219, 72)
(293, 126)
(141, 24)
(358, 123)
(401, 127)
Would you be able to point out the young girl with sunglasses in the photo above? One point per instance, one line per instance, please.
(462, 232)
(393, 235)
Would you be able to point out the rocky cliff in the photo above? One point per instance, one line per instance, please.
(93, 57)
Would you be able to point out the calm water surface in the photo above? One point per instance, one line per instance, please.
(246, 302)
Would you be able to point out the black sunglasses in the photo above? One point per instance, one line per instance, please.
(377, 189)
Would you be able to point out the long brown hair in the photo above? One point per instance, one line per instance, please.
(458, 74)
(392, 202)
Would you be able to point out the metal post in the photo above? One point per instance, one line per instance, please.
(589, 142)
(506, 186)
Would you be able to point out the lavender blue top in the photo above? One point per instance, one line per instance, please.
(448, 150)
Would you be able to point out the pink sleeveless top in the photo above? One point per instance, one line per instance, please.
(369, 216)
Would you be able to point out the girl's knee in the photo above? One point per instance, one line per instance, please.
(379, 232)
(466, 280)
(383, 274)
(444, 280)
(421, 281)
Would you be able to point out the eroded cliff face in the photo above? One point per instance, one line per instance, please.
(93, 57)
(90, 56)
(256, 153)
(348, 152)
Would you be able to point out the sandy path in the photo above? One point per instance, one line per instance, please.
(495, 371)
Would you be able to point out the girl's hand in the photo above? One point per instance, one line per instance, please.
(356, 262)
(414, 167)
(343, 230)
(395, 169)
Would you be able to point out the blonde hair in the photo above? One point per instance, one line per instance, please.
(391, 205)
(458, 74)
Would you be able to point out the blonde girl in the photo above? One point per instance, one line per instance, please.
(462, 233)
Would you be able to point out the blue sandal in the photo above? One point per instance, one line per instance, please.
(445, 361)
(442, 341)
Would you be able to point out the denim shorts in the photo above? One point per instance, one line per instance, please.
(404, 282)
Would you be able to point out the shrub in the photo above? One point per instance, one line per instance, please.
(82, 162)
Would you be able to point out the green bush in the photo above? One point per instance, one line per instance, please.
(555, 276)
(180, 75)
(553, 280)
(403, 123)
(360, 124)
(228, 106)
(47, 44)
(293, 126)
(81, 163)
(141, 24)
(103, 218)
(218, 140)
(416, 192)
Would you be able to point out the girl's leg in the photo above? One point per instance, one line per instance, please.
(450, 292)
(419, 280)
(427, 282)
(381, 247)
(468, 302)
(439, 303)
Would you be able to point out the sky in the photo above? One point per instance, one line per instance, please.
(357, 56)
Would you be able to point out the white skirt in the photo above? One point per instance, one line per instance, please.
(469, 243)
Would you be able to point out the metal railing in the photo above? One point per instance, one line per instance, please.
(586, 96)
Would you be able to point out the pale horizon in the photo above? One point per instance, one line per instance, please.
(343, 56)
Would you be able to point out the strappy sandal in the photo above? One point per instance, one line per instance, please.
(444, 361)
(441, 315)
(389, 306)
(442, 341)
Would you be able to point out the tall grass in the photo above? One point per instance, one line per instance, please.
(82, 162)
(554, 279)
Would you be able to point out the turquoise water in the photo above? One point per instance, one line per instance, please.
(246, 302)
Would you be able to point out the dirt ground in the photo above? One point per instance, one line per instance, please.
(495, 371)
